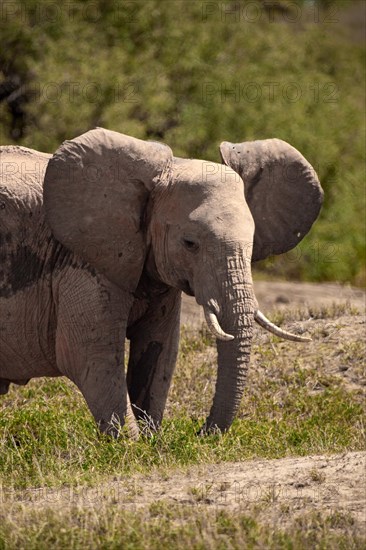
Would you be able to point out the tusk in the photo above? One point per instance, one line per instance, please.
(214, 326)
(266, 323)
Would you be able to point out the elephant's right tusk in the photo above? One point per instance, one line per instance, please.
(133, 428)
(271, 327)
(214, 326)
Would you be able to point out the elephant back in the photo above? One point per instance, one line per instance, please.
(21, 197)
(23, 231)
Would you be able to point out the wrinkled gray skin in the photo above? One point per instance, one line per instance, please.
(100, 248)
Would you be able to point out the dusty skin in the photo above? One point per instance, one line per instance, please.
(110, 252)
(277, 492)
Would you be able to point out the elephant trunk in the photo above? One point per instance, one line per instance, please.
(236, 317)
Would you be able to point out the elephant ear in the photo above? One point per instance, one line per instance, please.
(95, 191)
(282, 191)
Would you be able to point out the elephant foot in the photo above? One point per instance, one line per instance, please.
(4, 384)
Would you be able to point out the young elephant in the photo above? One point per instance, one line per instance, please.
(98, 241)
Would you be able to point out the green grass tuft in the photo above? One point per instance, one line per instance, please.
(180, 527)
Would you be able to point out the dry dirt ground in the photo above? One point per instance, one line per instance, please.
(284, 295)
(325, 312)
(278, 491)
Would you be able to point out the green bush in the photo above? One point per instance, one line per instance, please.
(195, 73)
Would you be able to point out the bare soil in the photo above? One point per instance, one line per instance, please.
(283, 295)
(278, 492)
(333, 315)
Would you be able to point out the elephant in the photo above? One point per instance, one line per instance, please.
(99, 240)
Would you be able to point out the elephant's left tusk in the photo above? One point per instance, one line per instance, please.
(271, 327)
(214, 326)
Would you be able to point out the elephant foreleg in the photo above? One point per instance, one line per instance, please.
(90, 347)
(105, 392)
(154, 343)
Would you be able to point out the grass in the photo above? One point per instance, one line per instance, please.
(326, 311)
(295, 404)
(177, 527)
(292, 406)
(53, 447)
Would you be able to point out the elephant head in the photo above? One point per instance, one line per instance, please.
(128, 206)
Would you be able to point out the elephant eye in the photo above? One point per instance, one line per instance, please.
(190, 245)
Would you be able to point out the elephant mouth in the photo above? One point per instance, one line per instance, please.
(186, 287)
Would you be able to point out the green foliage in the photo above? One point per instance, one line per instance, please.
(195, 73)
